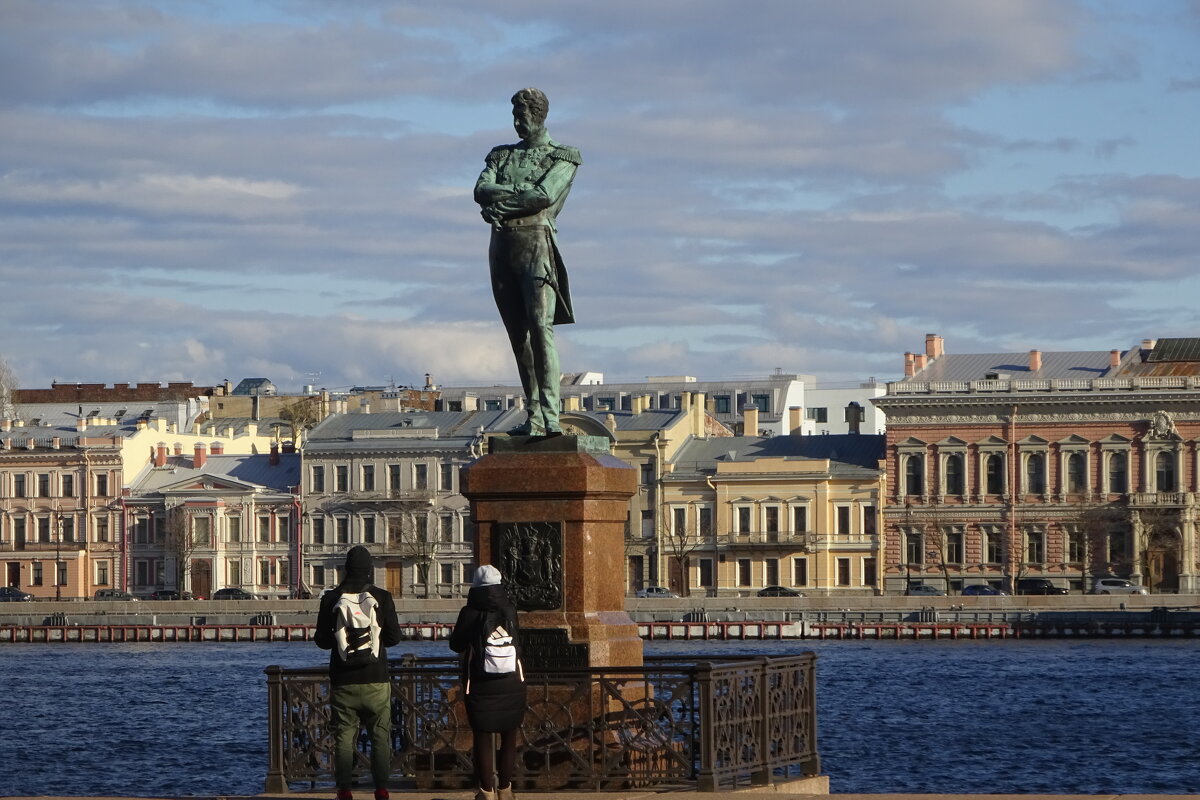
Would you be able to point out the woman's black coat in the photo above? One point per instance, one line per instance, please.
(495, 703)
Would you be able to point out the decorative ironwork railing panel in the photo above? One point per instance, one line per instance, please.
(668, 724)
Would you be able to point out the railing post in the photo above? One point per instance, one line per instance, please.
(761, 774)
(276, 782)
(811, 764)
(705, 775)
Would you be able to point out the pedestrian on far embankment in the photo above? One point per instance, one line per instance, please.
(357, 622)
(485, 637)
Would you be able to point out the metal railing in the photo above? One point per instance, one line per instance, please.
(705, 725)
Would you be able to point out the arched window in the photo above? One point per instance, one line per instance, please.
(1164, 472)
(995, 474)
(1035, 473)
(1118, 473)
(914, 475)
(954, 474)
(1076, 482)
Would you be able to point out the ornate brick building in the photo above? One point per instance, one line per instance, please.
(1063, 465)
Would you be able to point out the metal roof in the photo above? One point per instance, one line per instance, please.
(449, 424)
(1175, 350)
(978, 366)
(251, 469)
(847, 452)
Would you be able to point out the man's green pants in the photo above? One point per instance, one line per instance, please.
(368, 705)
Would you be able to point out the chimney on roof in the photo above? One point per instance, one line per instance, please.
(795, 420)
(1114, 358)
(178, 448)
(81, 425)
(1148, 344)
(160, 455)
(255, 407)
(273, 459)
(854, 416)
(919, 361)
(55, 442)
(8, 444)
(217, 449)
(142, 424)
(364, 406)
(571, 402)
(200, 456)
(228, 431)
(289, 447)
(1035, 360)
(910, 367)
(5, 424)
(30, 444)
(935, 345)
(429, 384)
(750, 420)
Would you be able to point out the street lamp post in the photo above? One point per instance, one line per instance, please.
(58, 560)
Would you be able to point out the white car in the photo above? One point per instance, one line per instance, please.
(1117, 586)
(656, 591)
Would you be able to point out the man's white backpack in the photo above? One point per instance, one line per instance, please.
(356, 628)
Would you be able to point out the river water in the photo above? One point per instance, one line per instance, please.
(1103, 717)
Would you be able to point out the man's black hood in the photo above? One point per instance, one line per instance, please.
(488, 598)
(360, 568)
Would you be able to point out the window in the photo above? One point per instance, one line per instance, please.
(234, 526)
(706, 572)
(762, 402)
(1076, 477)
(468, 572)
(421, 527)
(605, 403)
(799, 519)
(368, 530)
(818, 415)
(1118, 547)
(19, 531)
(341, 478)
(772, 577)
(318, 576)
(914, 550)
(843, 521)
(43, 484)
(68, 485)
(264, 529)
(61, 579)
(394, 477)
(446, 482)
(1035, 473)
(447, 573)
(771, 520)
(43, 530)
(201, 531)
(647, 524)
(1164, 472)
(742, 514)
(35, 578)
(141, 530)
(744, 572)
(317, 525)
(994, 471)
(420, 477)
(264, 572)
(706, 521)
(102, 568)
(1118, 475)
(1035, 547)
(283, 572)
(869, 521)
(101, 485)
(994, 546)
(679, 523)
(317, 479)
(342, 524)
(869, 576)
(67, 529)
(954, 474)
(446, 527)
(19, 489)
(647, 474)
(1076, 550)
(843, 572)
(954, 547)
(100, 528)
(368, 477)
(914, 475)
(721, 404)
(800, 572)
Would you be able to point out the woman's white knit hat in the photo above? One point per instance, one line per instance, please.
(487, 575)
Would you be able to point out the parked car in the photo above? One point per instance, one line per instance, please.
(656, 591)
(778, 591)
(924, 590)
(11, 594)
(1117, 586)
(170, 594)
(232, 593)
(981, 589)
(1038, 586)
(113, 594)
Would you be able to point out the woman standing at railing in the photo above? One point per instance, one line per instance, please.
(485, 636)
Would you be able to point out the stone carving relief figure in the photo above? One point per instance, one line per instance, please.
(522, 188)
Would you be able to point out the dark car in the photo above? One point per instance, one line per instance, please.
(10, 594)
(1038, 586)
(981, 589)
(170, 594)
(232, 593)
(113, 594)
(778, 591)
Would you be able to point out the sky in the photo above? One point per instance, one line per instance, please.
(211, 189)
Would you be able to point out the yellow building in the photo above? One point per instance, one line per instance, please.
(800, 512)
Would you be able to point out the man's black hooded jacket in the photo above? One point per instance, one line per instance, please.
(359, 570)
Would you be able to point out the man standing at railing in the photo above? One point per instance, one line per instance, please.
(357, 622)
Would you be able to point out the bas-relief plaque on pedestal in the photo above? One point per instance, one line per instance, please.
(531, 563)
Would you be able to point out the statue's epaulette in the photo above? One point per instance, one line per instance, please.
(564, 153)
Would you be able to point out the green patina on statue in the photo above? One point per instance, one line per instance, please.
(521, 190)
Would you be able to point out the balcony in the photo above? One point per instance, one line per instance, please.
(1161, 499)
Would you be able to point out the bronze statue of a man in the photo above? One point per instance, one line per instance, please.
(521, 190)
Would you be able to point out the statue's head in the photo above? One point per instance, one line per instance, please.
(530, 108)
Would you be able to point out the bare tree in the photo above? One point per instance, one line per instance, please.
(410, 536)
(8, 385)
(181, 542)
(679, 542)
(301, 415)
